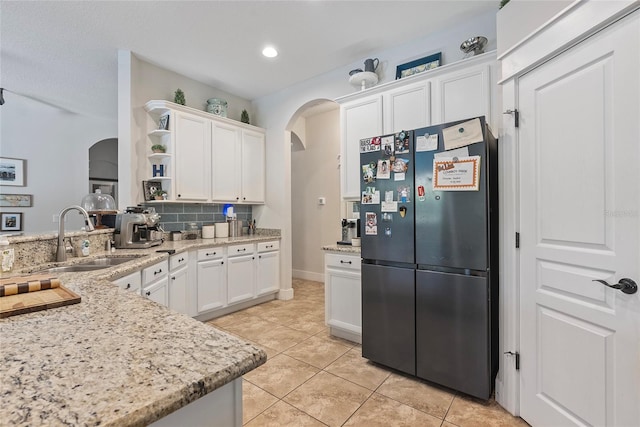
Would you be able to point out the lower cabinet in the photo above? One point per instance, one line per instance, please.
(211, 279)
(131, 282)
(179, 283)
(155, 285)
(268, 268)
(343, 296)
(240, 273)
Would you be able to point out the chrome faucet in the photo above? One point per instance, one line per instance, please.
(61, 254)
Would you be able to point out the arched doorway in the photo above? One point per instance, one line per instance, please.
(103, 167)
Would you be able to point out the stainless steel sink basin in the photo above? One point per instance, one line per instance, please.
(90, 264)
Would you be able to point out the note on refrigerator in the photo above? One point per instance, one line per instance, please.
(458, 152)
(426, 142)
(462, 134)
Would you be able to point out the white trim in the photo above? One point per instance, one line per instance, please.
(308, 275)
(572, 25)
(285, 294)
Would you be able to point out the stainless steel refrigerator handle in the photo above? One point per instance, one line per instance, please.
(627, 286)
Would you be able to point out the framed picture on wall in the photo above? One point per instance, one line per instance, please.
(16, 200)
(12, 172)
(11, 221)
(418, 66)
(105, 187)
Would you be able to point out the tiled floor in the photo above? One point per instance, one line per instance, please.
(313, 379)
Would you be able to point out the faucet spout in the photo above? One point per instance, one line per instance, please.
(61, 254)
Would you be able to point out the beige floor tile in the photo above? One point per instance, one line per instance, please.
(280, 338)
(328, 398)
(271, 352)
(280, 375)
(264, 307)
(230, 319)
(325, 334)
(282, 414)
(355, 368)
(254, 401)
(417, 394)
(310, 324)
(469, 412)
(316, 351)
(280, 315)
(252, 328)
(380, 411)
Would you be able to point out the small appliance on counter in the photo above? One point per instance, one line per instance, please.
(138, 228)
(350, 229)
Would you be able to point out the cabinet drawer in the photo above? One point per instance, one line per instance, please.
(178, 260)
(240, 249)
(349, 262)
(210, 253)
(155, 272)
(131, 282)
(269, 246)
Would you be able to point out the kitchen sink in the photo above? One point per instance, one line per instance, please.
(90, 264)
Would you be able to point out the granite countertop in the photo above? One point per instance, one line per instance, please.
(115, 358)
(342, 248)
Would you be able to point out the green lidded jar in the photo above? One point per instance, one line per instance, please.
(217, 106)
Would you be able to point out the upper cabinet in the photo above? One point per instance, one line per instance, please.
(451, 92)
(208, 158)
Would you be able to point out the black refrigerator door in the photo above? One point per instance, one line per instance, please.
(388, 316)
(451, 226)
(387, 229)
(453, 343)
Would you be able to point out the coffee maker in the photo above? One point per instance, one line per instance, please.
(350, 229)
(138, 228)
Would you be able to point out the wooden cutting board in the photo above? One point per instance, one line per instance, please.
(12, 305)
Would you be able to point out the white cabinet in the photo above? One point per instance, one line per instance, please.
(179, 283)
(456, 91)
(192, 153)
(131, 282)
(462, 93)
(154, 283)
(211, 279)
(241, 273)
(407, 107)
(359, 119)
(268, 268)
(343, 299)
(209, 158)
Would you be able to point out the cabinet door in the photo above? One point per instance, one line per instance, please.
(462, 94)
(407, 108)
(192, 154)
(225, 163)
(359, 119)
(157, 291)
(131, 282)
(343, 300)
(212, 285)
(268, 276)
(253, 169)
(241, 278)
(178, 288)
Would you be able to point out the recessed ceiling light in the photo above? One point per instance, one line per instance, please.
(270, 52)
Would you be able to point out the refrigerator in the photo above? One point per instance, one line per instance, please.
(430, 277)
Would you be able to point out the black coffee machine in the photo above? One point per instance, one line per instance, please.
(350, 229)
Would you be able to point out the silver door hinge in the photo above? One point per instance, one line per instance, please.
(517, 356)
(517, 240)
(516, 116)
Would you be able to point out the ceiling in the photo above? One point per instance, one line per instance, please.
(65, 52)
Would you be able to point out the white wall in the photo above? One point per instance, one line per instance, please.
(274, 112)
(55, 144)
(315, 173)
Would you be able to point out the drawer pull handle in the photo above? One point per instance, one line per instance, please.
(173, 278)
(345, 262)
(269, 246)
(181, 259)
(259, 256)
(148, 293)
(242, 250)
(222, 263)
(157, 272)
(128, 286)
(210, 253)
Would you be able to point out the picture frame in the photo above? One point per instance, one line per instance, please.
(16, 200)
(163, 122)
(105, 186)
(148, 186)
(419, 65)
(11, 221)
(12, 172)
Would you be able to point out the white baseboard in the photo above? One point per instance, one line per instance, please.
(307, 275)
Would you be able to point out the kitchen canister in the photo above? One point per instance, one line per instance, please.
(217, 106)
(222, 229)
(208, 231)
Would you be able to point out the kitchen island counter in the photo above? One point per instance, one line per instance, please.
(114, 358)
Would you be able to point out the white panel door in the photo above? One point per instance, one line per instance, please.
(407, 108)
(178, 291)
(462, 94)
(579, 145)
(225, 163)
(212, 285)
(253, 167)
(359, 119)
(241, 278)
(192, 154)
(268, 275)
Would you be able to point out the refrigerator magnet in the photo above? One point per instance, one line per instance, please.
(402, 142)
(387, 217)
(388, 196)
(399, 176)
(400, 165)
(387, 145)
(404, 194)
(389, 207)
(371, 224)
(403, 211)
(387, 231)
(370, 197)
(421, 196)
(370, 144)
(384, 169)
(369, 173)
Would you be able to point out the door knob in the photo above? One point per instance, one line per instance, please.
(627, 286)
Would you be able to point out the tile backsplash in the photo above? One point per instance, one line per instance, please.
(176, 216)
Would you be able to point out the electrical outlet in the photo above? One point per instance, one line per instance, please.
(322, 200)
